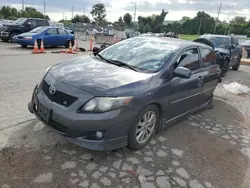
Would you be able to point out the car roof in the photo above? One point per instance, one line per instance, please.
(213, 35)
(37, 19)
(51, 27)
(178, 43)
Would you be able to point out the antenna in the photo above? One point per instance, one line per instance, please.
(217, 19)
(135, 12)
(44, 7)
(23, 5)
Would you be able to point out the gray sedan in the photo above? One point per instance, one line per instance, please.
(121, 95)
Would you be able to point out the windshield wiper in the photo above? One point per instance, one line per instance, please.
(118, 63)
(122, 64)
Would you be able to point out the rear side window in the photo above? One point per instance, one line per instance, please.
(208, 57)
(42, 22)
(52, 31)
(234, 41)
(189, 59)
(62, 32)
(33, 23)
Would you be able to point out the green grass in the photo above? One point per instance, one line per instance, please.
(188, 37)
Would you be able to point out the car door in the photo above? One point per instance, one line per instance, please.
(62, 37)
(185, 94)
(26, 27)
(234, 50)
(211, 73)
(51, 37)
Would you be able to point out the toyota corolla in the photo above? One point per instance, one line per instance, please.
(121, 95)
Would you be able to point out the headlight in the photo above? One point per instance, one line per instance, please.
(103, 104)
(28, 38)
(46, 71)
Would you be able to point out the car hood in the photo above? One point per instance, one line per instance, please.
(11, 25)
(99, 77)
(28, 34)
(221, 50)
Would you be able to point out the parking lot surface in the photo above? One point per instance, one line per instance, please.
(208, 149)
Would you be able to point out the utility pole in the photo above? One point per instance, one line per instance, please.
(63, 15)
(229, 8)
(23, 5)
(217, 19)
(72, 12)
(200, 27)
(44, 7)
(135, 14)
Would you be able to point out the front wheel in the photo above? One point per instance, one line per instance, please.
(237, 66)
(144, 128)
(12, 37)
(224, 68)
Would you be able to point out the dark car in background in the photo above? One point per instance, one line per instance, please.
(51, 36)
(121, 95)
(228, 49)
(21, 25)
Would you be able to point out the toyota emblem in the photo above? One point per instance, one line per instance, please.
(52, 89)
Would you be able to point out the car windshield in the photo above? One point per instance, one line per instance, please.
(38, 30)
(144, 54)
(20, 21)
(220, 42)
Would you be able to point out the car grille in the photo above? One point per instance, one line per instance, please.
(58, 97)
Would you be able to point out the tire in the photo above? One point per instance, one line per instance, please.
(24, 46)
(12, 36)
(237, 66)
(134, 141)
(5, 40)
(224, 68)
(67, 43)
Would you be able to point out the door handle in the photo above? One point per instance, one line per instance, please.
(200, 78)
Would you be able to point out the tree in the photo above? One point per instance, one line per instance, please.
(127, 19)
(81, 19)
(120, 24)
(99, 13)
(7, 12)
(238, 20)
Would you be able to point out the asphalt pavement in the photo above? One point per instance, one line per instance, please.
(208, 149)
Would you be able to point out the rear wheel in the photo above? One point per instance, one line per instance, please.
(67, 43)
(144, 128)
(12, 37)
(237, 66)
(224, 68)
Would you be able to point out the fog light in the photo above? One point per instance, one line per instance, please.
(99, 134)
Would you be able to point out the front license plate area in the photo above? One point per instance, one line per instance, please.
(43, 112)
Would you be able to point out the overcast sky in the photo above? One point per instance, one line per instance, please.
(115, 8)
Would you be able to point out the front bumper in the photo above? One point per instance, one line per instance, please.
(4, 35)
(81, 129)
(24, 41)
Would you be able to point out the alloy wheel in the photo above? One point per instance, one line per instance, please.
(145, 127)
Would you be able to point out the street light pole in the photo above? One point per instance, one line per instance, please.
(229, 8)
(23, 5)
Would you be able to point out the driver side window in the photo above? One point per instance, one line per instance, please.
(189, 59)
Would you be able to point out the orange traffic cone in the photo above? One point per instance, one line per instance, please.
(42, 47)
(35, 50)
(70, 48)
(76, 48)
(114, 39)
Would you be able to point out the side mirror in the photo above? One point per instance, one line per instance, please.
(182, 72)
(95, 50)
(232, 46)
(28, 23)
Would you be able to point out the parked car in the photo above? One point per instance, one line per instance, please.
(51, 36)
(19, 26)
(120, 96)
(229, 50)
(246, 44)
